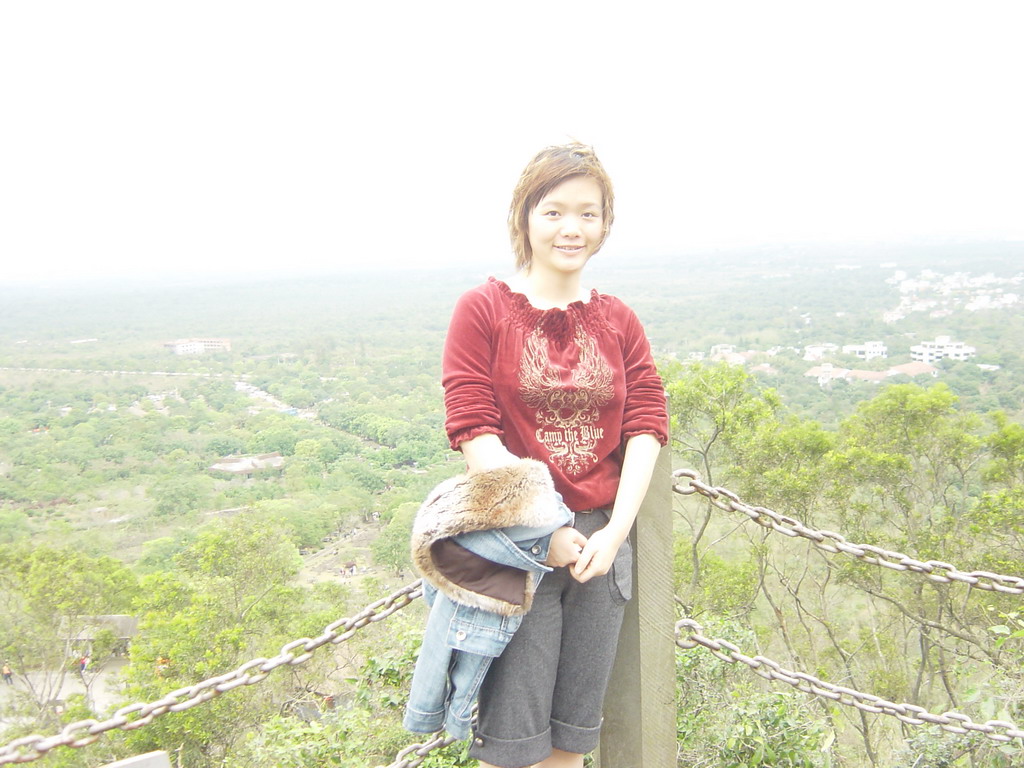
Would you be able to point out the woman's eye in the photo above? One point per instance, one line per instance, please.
(551, 213)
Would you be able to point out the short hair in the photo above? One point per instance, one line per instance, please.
(547, 170)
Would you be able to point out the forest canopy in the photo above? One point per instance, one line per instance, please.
(124, 490)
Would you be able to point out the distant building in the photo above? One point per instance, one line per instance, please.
(250, 465)
(988, 301)
(897, 278)
(892, 316)
(720, 350)
(80, 632)
(914, 369)
(873, 376)
(942, 347)
(728, 354)
(867, 351)
(776, 350)
(198, 346)
(818, 351)
(765, 368)
(826, 373)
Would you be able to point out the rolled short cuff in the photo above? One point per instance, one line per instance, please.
(458, 727)
(514, 753)
(573, 738)
(510, 753)
(423, 722)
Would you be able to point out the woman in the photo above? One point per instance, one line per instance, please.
(541, 367)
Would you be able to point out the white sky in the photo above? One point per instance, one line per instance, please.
(257, 136)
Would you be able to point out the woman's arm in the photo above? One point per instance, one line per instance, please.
(485, 452)
(488, 452)
(637, 467)
(471, 409)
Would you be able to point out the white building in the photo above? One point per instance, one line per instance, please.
(818, 351)
(867, 351)
(721, 350)
(826, 373)
(892, 316)
(198, 346)
(991, 301)
(933, 351)
(250, 465)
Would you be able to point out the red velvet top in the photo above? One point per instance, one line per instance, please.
(566, 387)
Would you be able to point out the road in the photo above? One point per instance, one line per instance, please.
(104, 689)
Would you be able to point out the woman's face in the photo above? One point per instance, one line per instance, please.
(567, 226)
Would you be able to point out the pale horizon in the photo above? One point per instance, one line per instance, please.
(256, 139)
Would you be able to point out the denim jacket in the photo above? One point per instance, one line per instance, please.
(479, 582)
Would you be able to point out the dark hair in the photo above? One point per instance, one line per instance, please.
(546, 171)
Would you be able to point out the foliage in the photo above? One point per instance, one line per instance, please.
(726, 719)
(177, 495)
(106, 492)
(729, 587)
(391, 548)
(349, 738)
(930, 747)
(364, 730)
(13, 526)
(307, 518)
(910, 470)
(772, 729)
(226, 603)
(47, 599)
(714, 407)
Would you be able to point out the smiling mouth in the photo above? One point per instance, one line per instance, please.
(569, 248)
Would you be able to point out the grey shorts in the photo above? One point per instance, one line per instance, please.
(547, 688)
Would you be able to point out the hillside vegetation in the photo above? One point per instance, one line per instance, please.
(110, 504)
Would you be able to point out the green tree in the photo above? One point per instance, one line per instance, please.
(46, 597)
(1007, 448)
(181, 493)
(228, 602)
(241, 560)
(391, 548)
(713, 409)
(13, 526)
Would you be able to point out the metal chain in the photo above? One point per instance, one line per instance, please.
(954, 722)
(936, 570)
(85, 732)
(414, 754)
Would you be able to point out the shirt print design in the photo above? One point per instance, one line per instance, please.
(567, 413)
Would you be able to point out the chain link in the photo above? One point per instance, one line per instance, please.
(954, 722)
(414, 754)
(85, 732)
(829, 541)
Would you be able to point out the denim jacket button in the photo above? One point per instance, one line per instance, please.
(460, 635)
(536, 549)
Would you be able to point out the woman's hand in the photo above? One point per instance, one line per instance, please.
(566, 545)
(637, 465)
(597, 556)
(486, 452)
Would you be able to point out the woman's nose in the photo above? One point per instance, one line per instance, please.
(570, 226)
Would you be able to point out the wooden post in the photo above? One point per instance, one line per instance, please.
(148, 760)
(639, 728)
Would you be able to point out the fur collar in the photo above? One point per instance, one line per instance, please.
(521, 493)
